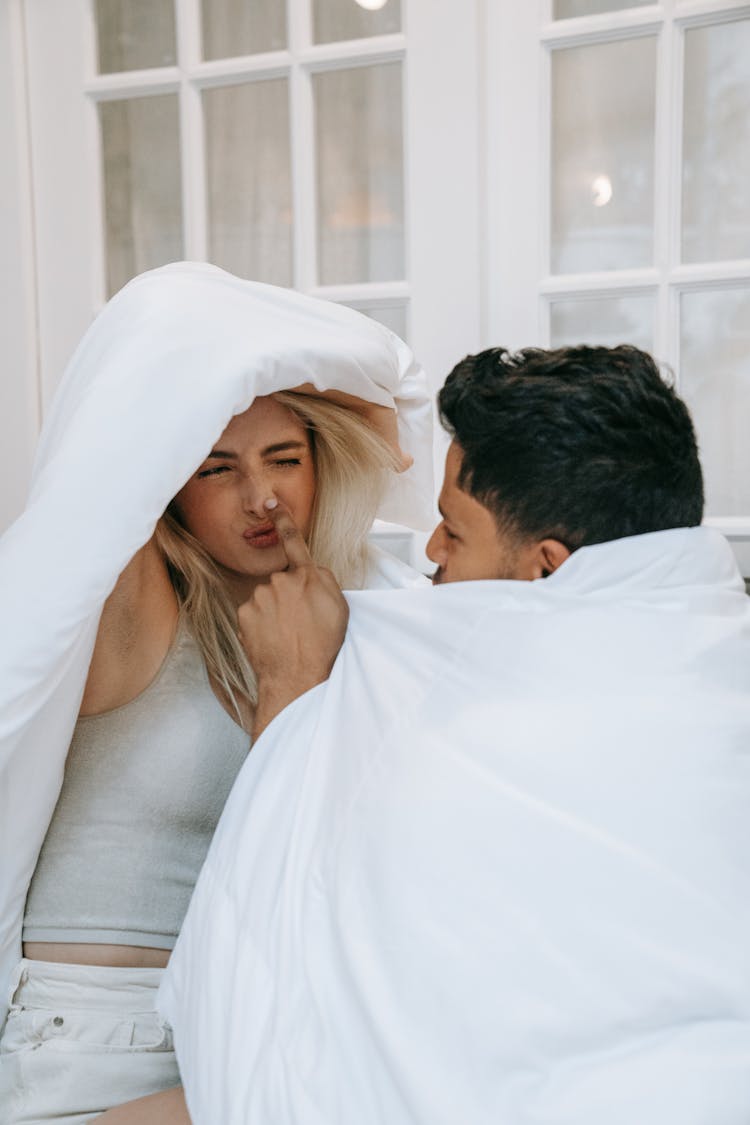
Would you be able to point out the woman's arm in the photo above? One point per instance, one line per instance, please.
(135, 631)
(167, 1108)
(291, 627)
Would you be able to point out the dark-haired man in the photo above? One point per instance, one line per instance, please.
(495, 868)
(552, 451)
(558, 450)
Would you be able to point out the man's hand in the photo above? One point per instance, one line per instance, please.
(292, 627)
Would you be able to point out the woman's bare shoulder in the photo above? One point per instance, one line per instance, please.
(135, 631)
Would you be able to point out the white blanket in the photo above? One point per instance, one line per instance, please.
(152, 385)
(497, 870)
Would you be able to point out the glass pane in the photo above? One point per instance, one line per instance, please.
(354, 19)
(564, 9)
(360, 174)
(603, 321)
(249, 180)
(135, 34)
(715, 381)
(392, 316)
(142, 185)
(716, 143)
(242, 27)
(603, 102)
(395, 540)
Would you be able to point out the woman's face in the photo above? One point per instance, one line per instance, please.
(262, 453)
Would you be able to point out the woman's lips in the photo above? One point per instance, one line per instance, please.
(265, 536)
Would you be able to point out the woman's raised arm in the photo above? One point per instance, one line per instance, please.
(135, 631)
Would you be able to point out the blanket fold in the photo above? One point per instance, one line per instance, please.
(497, 869)
(153, 383)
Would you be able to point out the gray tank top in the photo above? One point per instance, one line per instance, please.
(144, 788)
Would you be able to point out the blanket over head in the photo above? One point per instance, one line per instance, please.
(152, 385)
(497, 869)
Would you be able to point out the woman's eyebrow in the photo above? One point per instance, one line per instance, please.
(277, 447)
(281, 446)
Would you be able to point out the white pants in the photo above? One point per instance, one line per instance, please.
(79, 1040)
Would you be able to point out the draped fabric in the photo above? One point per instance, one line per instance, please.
(152, 385)
(497, 869)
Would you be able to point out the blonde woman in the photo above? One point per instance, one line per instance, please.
(163, 728)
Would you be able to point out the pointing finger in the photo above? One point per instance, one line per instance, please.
(292, 539)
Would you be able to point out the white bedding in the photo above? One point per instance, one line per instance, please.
(497, 870)
(152, 385)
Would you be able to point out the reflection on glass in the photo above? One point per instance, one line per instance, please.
(135, 34)
(249, 180)
(603, 107)
(715, 382)
(564, 9)
(360, 174)
(242, 27)
(142, 192)
(603, 321)
(716, 143)
(334, 20)
(392, 316)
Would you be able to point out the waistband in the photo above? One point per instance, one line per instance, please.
(50, 984)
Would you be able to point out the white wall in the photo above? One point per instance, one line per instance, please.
(19, 385)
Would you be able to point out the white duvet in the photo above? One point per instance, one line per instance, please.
(497, 870)
(152, 385)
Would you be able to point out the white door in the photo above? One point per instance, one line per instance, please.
(330, 145)
(619, 158)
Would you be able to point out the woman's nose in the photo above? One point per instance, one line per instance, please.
(254, 494)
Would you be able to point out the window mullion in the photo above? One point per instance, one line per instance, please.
(667, 163)
(302, 140)
(192, 146)
(93, 132)
(670, 298)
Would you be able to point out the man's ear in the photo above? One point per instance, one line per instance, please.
(546, 557)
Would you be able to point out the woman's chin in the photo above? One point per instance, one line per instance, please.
(269, 561)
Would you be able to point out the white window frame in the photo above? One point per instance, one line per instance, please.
(441, 204)
(52, 227)
(51, 203)
(518, 179)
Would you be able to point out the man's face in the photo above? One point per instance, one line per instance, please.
(467, 544)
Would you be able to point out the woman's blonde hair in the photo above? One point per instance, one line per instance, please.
(351, 467)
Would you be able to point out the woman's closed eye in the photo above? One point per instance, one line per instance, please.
(220, 470)
(212, 471)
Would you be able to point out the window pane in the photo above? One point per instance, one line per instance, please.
(715, 381)
(360, 174)
(354, 19)
(603, 156)
(392, 316)
(603, 321)
(135, 34)
(564, 9)
(242, 27)
(249, 180)
(399, 543)
(142, 185)
(716, 146)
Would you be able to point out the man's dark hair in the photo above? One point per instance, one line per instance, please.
(578, 444)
